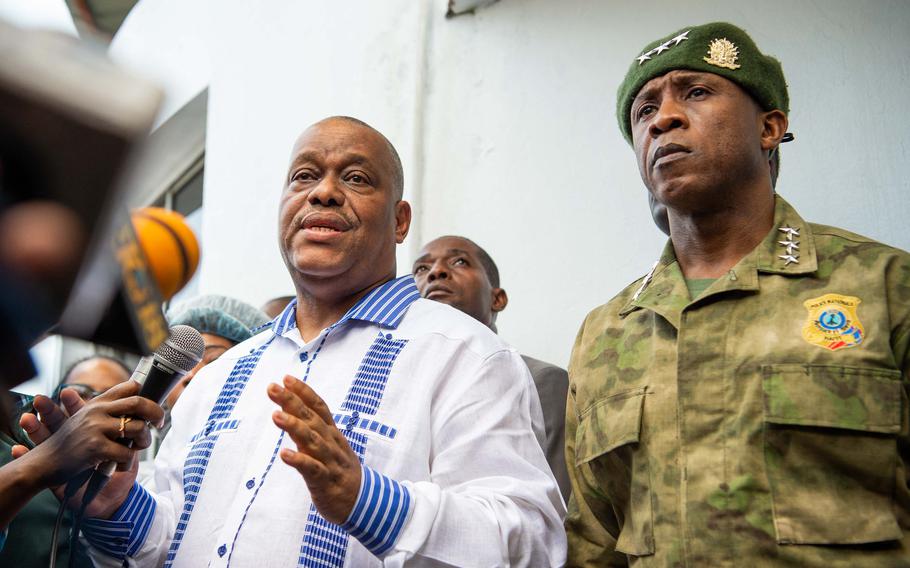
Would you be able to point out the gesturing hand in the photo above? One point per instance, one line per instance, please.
(324, 458)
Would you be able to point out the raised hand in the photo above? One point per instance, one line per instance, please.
(324, 458)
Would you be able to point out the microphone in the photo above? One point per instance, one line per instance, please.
(154, 256)
(157, 373)
(176, 357)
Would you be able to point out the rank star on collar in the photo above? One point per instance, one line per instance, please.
(790, 245)
(790, 231)
(663, 47)
(789, 257)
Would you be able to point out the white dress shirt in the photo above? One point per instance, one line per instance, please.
(441, 412)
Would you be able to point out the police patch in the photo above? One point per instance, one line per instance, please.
(832, 322)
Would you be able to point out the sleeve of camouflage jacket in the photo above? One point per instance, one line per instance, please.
(898, 276)
(591, 525)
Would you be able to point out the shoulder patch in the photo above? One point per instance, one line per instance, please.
(832, 322)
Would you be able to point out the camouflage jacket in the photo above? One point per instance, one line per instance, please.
(764, 423)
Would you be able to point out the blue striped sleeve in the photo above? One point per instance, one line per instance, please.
(379, 514)
(124, 533)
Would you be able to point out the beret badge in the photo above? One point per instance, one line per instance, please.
(722, 53)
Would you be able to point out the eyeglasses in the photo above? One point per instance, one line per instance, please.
(85, 392)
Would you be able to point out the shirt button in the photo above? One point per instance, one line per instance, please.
(222, 550)
(304, 356)
(250, 483)
(388, 336)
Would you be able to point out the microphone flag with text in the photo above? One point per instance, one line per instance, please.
(155, 254)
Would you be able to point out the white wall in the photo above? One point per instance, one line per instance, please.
(39, 14)
(505, 124)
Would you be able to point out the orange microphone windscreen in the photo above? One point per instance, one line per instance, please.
(170, 247)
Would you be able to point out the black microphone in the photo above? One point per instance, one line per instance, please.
(173, 359)
(180, 352)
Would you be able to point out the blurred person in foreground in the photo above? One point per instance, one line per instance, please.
(407, 432)
(40, 244)
(61, 151)
(456, 271)
(745, 402)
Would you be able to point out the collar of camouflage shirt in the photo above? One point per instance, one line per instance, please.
(788, 248)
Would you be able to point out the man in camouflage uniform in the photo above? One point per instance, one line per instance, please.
(744, 403)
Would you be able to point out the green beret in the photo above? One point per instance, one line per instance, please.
(719, 48)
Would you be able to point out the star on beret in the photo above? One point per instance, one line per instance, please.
(663, 47)
(681, 37)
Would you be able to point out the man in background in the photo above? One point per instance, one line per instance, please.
(92, 375)
(223, 322)
(456, 271)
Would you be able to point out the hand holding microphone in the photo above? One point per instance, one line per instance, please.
(102, 432)
(171, 362)
(87, 438)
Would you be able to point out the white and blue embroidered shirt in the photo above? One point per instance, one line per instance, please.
(442, 413)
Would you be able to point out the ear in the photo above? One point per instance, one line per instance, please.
(500, 300)
(774, 125)
(402, 220)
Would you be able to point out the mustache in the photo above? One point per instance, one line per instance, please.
(314, 216)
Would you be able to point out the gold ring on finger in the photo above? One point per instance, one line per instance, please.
(124, 420)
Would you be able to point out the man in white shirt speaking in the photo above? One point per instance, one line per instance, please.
(364, 426)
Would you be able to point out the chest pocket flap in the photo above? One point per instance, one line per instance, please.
(849, 398)
(831, 452)
(609, 423)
